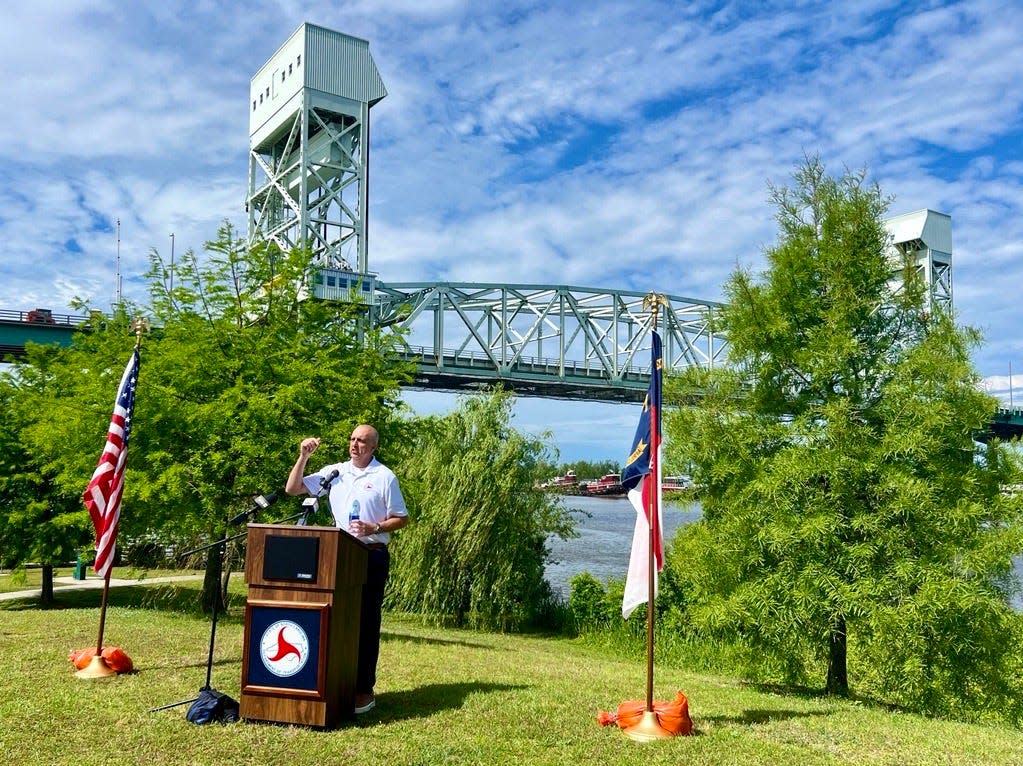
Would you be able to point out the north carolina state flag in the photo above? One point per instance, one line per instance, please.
(642, 479)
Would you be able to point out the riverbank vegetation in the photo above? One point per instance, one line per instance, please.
(584, 470)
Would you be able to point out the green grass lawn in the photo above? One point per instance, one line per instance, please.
(444, 697)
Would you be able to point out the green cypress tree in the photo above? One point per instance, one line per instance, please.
(850, 519)
(240, 365)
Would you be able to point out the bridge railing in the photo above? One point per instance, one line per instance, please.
(42, 317)
(463, 359)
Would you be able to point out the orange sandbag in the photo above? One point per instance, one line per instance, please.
(80, 658)
(673, 716)
(113, 656)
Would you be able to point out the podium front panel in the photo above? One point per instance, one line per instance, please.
(291, 558)
(285, 649)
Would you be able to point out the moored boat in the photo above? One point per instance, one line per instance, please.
(675, 483)
(567, 483)
(610, 484)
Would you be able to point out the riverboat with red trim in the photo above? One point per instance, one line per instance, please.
(675, 484)
(569, 483)
(608, 485)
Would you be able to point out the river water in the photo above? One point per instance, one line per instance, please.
(605, 526)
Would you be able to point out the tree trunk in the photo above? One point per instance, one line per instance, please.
(838, 675)
(225, 581)
(46, 593)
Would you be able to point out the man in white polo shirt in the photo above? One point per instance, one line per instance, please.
(364, 499)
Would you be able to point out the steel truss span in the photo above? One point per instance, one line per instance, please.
(543, 340)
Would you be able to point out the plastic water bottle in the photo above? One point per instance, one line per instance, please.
(353, 515)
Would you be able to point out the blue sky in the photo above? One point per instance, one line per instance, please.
(605, 144)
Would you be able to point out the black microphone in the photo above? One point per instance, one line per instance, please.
(326, 481)
(261, 502)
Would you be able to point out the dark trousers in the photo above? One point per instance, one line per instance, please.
(369, 626)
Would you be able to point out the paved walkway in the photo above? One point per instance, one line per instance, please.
(61, 584)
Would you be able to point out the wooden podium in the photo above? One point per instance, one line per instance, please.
(301, 648)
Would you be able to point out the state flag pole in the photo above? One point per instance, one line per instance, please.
(654, 514)
(649, 728)
(641, 478)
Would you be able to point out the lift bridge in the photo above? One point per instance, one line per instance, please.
(539, 340)
(308, 185)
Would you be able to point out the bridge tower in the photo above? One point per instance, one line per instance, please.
(926, 236)
(309, 147)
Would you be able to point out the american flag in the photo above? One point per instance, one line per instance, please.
(103, 495)
(642, 478)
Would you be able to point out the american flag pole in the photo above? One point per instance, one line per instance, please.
(103, 494)
(107, 484)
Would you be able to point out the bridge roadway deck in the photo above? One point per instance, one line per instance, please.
(454, 370)
(450, 370)
(19, 327)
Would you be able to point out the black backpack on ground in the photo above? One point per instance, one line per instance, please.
(212, 706)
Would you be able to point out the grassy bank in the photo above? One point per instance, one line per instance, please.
(444, 697)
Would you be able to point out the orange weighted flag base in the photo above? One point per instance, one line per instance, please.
(111, 661)
(667, 719)
(648, 729)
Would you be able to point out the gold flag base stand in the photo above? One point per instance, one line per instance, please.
(648, 729)
(96, 668)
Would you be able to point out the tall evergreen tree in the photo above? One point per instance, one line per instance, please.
(850, 519)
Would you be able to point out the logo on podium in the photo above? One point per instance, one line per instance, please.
(284, 648)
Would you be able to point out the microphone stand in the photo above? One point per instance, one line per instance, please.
(220, 546)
